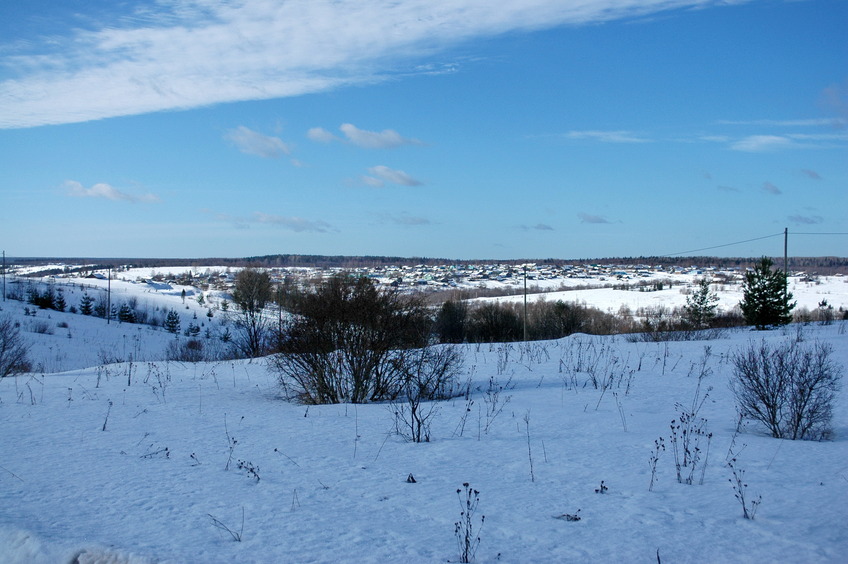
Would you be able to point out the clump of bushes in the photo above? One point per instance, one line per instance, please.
(789, 388)
(348, 341)
(500, 322)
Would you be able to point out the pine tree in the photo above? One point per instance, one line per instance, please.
(59, 302)
(172, 322)
(86, 305)
(766, 300)
(126, 314)
(701, 305)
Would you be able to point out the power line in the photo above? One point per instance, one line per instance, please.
(725, 245)
(799, 233)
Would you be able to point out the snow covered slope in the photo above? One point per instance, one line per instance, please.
(146, 462)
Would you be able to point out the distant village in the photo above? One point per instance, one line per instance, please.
(483, 279)
(435, 278)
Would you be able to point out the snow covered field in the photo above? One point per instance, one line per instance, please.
(807, 294)
(138, 462)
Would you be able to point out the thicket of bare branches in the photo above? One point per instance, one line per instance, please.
(13, 349)
(789, 388)
(348, 341)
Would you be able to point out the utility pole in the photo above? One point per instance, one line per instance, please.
(4, 276)
(109, 297)
(525, 302)
(785, 252)
(786, 264)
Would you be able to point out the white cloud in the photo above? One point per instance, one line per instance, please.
(321, 135)
(186, 55)
(254, 143)
(292, 223)
(297, 224)
(606, 136)
(385, 139)
(103, 190)
(382, 174)
(824, 122)
(762, 143)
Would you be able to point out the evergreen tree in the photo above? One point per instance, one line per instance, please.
(451, 322)
(701, 305)
(766, 300)
(126, 314)
(172, 322)
(86, 305)
(59, 302)
(100, 309)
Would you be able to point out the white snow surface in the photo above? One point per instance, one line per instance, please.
(85, 475)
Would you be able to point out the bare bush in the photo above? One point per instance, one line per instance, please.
(252, 291)
(430, 374)
(190, 350)
(347, 342)
(499, 322)
(13, 350)
(789, 388)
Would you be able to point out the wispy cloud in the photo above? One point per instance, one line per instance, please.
(375, 140)
(537, 227)
(321, 135)
(386, 139)
(291, 223)
(806, 219)
(835, 99)
(817, 122)
(618, 136)
(380, 175)
(255, 143)
(187, 55)
(762, 143)
(405, 219)
(771, 189)
(297, 224)
(542, 227)
(589, 218)
(108, 192)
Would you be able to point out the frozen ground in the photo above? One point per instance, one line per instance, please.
(88, 341)
(833, 289)
(129, 462)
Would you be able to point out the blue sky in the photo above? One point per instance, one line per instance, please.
(463, 129)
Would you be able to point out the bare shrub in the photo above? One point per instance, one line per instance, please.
(499, 322)
(789, 388)
(13, 350)
(467, 538)
(190, 350)
(348, 340)
(252, 291)
(430, 374)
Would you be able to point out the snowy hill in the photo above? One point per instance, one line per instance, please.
(153, 461)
